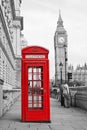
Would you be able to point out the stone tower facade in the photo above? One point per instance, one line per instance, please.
(60, 46)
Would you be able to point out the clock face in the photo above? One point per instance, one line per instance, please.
(61, 39)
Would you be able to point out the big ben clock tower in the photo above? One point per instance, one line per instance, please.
(60, 45)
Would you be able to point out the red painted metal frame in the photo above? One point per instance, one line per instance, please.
(38, 114)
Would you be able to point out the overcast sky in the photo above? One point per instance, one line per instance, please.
(40, 22)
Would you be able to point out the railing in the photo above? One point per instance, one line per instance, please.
(79, 96)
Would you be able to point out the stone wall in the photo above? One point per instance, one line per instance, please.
(79, 97)
(9, 98)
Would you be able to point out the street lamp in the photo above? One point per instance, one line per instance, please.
(61, 89)
(61, 66)
(65, 62)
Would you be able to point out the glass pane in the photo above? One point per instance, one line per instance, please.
(34, 84)
(34, 69)
(35, 91)
(35, 77)
(35, 105)
(30, 106)
(40, 105)
(30, 87)
(29, 99)
(30, 69)
(30, 84)
(36, 98)
(29, 76)
(41, 91)
(40, 98)
(40, 78)
(39, 70)
(39, 84)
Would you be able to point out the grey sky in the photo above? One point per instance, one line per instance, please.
(40, 22)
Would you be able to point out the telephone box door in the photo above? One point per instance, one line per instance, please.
(36, 92)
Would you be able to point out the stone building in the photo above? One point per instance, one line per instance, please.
(11, 24)
(24, 42)
(79, 74)
(60, 46)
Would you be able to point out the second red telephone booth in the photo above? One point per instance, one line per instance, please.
(35, 84)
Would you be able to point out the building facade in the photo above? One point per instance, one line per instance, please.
(61, 58)
(24, 42)
(10, 45)
(11, 24)
(79, 74)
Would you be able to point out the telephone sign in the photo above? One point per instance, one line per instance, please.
(35, 84)
(35, 56)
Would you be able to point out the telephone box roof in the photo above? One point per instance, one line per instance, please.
(35, 49)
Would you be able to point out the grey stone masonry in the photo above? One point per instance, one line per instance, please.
(79, 96)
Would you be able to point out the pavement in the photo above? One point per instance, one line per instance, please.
(61, 119)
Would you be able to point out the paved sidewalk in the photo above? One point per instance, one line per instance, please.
(61, 119)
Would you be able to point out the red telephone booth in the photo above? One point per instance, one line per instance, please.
(35, 84)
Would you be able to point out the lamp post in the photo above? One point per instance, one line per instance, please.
(61, 89)
(61, 66)
(65, 63)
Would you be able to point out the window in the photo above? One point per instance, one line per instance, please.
(35, 87)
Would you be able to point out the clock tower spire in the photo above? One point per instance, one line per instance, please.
(60, 46)
(60, 21)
